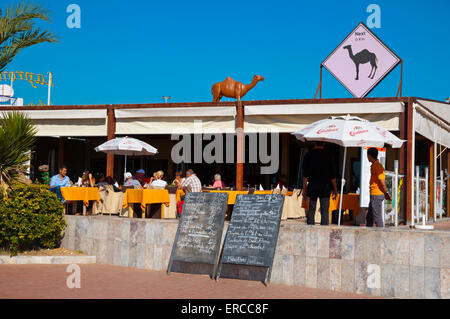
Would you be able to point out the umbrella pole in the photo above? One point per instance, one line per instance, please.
(125, 166)
(342, 186)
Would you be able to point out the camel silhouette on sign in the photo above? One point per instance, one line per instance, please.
(363, 57)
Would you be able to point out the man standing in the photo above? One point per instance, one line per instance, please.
(319, 181)
(192, 182)
(378, 190)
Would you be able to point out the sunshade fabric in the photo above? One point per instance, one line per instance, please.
(348, 131)
(76, 122)
(126, 146)
(181, 120)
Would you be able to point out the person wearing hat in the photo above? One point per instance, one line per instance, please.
(140, 176)
(130, 181)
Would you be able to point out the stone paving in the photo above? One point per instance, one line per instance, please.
(113, 282)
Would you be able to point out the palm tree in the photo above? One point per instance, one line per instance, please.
(17, 137)
(18, 29)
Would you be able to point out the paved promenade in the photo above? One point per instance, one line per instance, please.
(102, 281)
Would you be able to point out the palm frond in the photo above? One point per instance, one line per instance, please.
(18, 29)
(17, 137)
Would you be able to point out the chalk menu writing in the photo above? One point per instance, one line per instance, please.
(253, 231)
(200, 228)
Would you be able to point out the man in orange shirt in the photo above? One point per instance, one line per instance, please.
(378, 190)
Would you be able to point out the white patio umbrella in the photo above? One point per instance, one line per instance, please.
(127, 146)
(347, 131)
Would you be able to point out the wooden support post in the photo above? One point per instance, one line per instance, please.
(431, 180)
(402, 136)
(403, 160)
(61, 151)
(111, 135)
(240, 146)
(409, 159)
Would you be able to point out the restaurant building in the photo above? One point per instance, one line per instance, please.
(68, 134)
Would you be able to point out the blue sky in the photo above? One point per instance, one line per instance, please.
(137, 51)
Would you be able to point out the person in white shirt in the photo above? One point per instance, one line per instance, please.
(157, 180)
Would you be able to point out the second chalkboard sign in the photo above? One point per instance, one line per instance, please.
(252, 235)
(200, 228)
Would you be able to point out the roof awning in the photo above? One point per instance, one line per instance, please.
(176, 120)
(428, 121)
(73, 122)
(292, 117)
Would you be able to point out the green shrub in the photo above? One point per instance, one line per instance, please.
(30, 217)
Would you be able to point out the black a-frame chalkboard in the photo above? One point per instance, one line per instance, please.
(199, 233)
(252, 236)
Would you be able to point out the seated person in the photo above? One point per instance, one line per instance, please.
(102, 181)
(86, 180)
(191, 183)
(140, 176)
(58, 181)
(157, 180)
(111, 181)
(178, 178)
(130, 181)
(218, 182)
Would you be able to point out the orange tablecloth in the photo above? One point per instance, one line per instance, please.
(349, 201)
(146, 196)
(231, 195)
(84, 194)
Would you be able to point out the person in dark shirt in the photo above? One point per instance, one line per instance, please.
(319, 181)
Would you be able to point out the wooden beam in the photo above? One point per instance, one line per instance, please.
(205, 104)
(111, 134)
(409, 158)
(240, 146)
(431, 180)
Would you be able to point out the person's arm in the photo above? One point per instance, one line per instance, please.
(334, 185)
(385, 190)
(91, 180)
(52, 183)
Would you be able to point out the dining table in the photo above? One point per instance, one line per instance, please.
(85, 194)
(145, 197)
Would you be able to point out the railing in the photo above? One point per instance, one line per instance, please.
(440, 191)
(392, 209)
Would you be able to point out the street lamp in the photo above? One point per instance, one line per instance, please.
(166, 97)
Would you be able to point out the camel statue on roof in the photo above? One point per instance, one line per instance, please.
(232, 88)
(363, 57)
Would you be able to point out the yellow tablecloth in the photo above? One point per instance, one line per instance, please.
(349, 201)
(146, 196)
(231, 195)
(84, 194)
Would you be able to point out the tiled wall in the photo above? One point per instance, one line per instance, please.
(391, 262)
